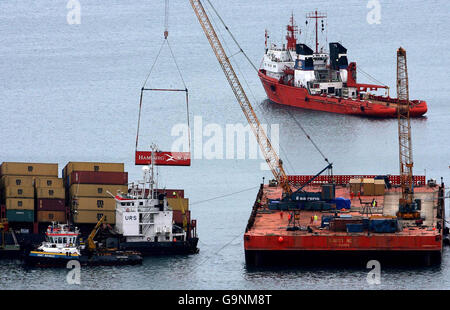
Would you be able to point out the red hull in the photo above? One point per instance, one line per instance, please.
(299, 97)
(346, 242)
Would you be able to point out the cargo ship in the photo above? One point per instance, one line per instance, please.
(32, 196)
(334, 220)
(298, 76)
(145, 221)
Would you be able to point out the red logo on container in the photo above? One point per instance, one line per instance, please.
(163, 158)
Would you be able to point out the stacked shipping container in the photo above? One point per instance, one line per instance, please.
(50, 200)
(17, 188)
(367, 187)
(33, 193)
(90, 185)
(180, 207)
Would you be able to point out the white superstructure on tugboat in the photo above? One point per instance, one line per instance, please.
(61, 243)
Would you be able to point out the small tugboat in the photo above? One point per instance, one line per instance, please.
(62, 245)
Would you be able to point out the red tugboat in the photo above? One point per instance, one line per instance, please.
(296, 75)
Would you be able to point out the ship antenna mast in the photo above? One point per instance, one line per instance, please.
(166, 20)
(290, 37)
(154, 149)
(316, 15)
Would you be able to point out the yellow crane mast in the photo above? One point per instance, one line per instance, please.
(407, 206)
(272, 159)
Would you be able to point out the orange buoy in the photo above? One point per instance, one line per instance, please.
(174, 239)
(280, 239)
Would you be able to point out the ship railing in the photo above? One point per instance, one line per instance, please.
(298, 180)
(148, 210)
(140, 209)
(255, 208)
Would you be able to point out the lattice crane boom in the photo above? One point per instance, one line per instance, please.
(268, 151)
(404, 135)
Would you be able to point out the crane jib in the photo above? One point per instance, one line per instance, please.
(269, 153)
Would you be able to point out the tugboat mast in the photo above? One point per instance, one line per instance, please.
(316, 15)
(290, 37)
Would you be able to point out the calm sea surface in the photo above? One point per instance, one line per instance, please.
(71, 93)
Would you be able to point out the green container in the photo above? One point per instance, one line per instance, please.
(20, 215)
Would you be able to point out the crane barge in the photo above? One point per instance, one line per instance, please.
(338, 218)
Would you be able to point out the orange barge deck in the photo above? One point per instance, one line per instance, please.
(267, 240)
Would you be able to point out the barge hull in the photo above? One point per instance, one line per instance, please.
(271, 238)
(110, 259)
(162, 248)
(261, 258)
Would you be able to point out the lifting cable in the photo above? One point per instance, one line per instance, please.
(308, 136)
(195, 267)
(245, 80)
(226, 195)
(253, 65)
(369, 76)
(165, 41)
(232, 36)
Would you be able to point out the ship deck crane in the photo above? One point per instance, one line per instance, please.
(90, 240)
(408, 208)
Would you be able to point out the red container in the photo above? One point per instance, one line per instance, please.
(51, 205)
(98, 177)
(340, 224)
(178, 217)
